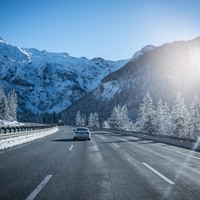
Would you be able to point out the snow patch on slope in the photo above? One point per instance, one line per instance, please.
(107, 90)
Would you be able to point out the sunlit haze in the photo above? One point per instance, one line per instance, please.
(113, 29)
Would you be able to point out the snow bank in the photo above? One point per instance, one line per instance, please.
(14, 141)
(5, 123)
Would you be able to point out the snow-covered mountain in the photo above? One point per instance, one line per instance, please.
(47, 82)
(163, 71)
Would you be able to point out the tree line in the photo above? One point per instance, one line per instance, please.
(179, 121)
(8, 106)
(159, 119)
(92, 121)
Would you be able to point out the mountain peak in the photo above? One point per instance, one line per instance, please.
(148, 48)
(142, 51)
(2, 40)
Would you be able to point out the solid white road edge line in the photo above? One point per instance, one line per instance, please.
(39, 188)
(116, 145)
(176, 152)
(71, 147)
(159, 174)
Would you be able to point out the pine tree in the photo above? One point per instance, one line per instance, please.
(119, 119)
(145, 121)
(4, 109)
(96, 120)
(194, 121)
(159, 121)
(78, 120)
(13, 104)
(105, 124)
(82, 122)
(114, 119)
(131, 126)
(125, 122)
(167, 119)
(90, 120)
(179, 117)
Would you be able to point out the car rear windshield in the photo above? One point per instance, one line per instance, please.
(82, 129)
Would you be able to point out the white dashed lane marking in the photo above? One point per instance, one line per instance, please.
(39, 188)
(116, 145)
(71, 147)
(159, 174)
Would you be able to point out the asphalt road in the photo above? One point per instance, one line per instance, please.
(109, 166)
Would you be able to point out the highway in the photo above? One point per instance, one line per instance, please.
(110, 166)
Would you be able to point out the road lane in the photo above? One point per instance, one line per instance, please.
(23, 168)
(182, 170)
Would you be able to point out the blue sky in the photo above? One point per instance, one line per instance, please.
(111, 29)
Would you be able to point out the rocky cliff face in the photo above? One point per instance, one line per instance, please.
(48, 82)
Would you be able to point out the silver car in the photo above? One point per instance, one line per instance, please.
(82, 133)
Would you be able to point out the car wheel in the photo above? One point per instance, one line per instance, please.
(88, 138)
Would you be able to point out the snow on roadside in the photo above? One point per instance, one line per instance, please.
(6, 123)
(14, 141)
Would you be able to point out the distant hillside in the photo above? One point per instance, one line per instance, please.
(163, 71)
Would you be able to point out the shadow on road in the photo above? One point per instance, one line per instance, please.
(68, 140)
(63, 140)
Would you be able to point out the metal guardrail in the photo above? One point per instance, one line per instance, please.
(22, 128)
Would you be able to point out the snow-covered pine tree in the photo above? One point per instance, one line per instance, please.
(113, 121)
(13, 104)
(78, 120)
(105, 124)
(96, 120)
(124, 119)
(119, 119)
(180, 117)
(82, 122)
(145, 122)
(159, 121)
(90, 120)
(194, 121)
(167, 119)
(131, 126)
(4, 109)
